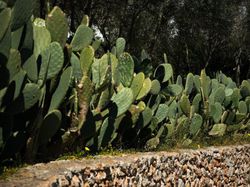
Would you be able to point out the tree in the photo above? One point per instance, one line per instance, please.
(194, 34)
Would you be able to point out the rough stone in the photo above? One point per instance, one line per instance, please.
(221, 166)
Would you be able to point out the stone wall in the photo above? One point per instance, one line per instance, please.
(220, 166)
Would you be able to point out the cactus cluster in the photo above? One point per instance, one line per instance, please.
(83, 100)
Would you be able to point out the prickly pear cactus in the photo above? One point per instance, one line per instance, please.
(164, 72)
(41, 35)
(14, 63)
(125, 69)
(146, 117)
(173, 90)
(137, 84)
(196, 124)
(5, 16)
(21, 13)
(62, 89)
(179, 81)
(189, 84)
(50, 126)
(104, 99)
(121, 103)
(30, 95)
(86, 59)
(57, 25)
(235, 97)
(30, 66)
(216, 111)
(197, 83)
(204, 85)
(242, 107)
(219, 95)
(245, 88)
(82, 38)
(52, 61)
(218, 130)
(19, 80)
(185, 105)
(161, 112)
(76, 66)
(146, 87)
(120, 46)
(155, 87)
(196, 102)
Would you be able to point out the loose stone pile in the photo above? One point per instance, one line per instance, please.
(225, 166)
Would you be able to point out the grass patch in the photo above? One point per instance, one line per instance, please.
(7, 171)
(170, 145)
(236, 139)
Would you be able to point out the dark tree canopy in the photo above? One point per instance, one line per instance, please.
(194, 34)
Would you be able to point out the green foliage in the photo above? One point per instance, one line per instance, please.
(155, 87)
(164, 72)
(30, 66)
(189, 84)
(61, 90)
(196, 124)
(218, 130)
(125, 69)
(216, 111)
(219, 95)
(84, 98)
(245, 88)
(185, 105)
(146, 87)
(204, 82)
(161, 112)
(14, 63)
(196, 103)
(50, 125)
(76, 66)
(122, 104)
(243, 107)
(82, 38)
(21, 13)
(5, 16)
(120, 46)
(52, 61)
(57, 25)
(86, 59)
(137, 84)
(41, 36)
(29, 96)
(173, 90)
(5, 43)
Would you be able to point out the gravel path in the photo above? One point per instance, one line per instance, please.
(214, 166)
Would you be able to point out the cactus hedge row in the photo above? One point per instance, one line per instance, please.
(57, 96)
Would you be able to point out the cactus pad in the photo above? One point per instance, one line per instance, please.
(125, 69)
(121, 103)
(53, 55)
(145, 89)
(82, 38)
(21, 13)
(218, 130)
(50, 126)
(137, 84)
(5, 16)
(120, 46)
(86, 59)
(196, 123)
(164, 72)
(57, 25)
